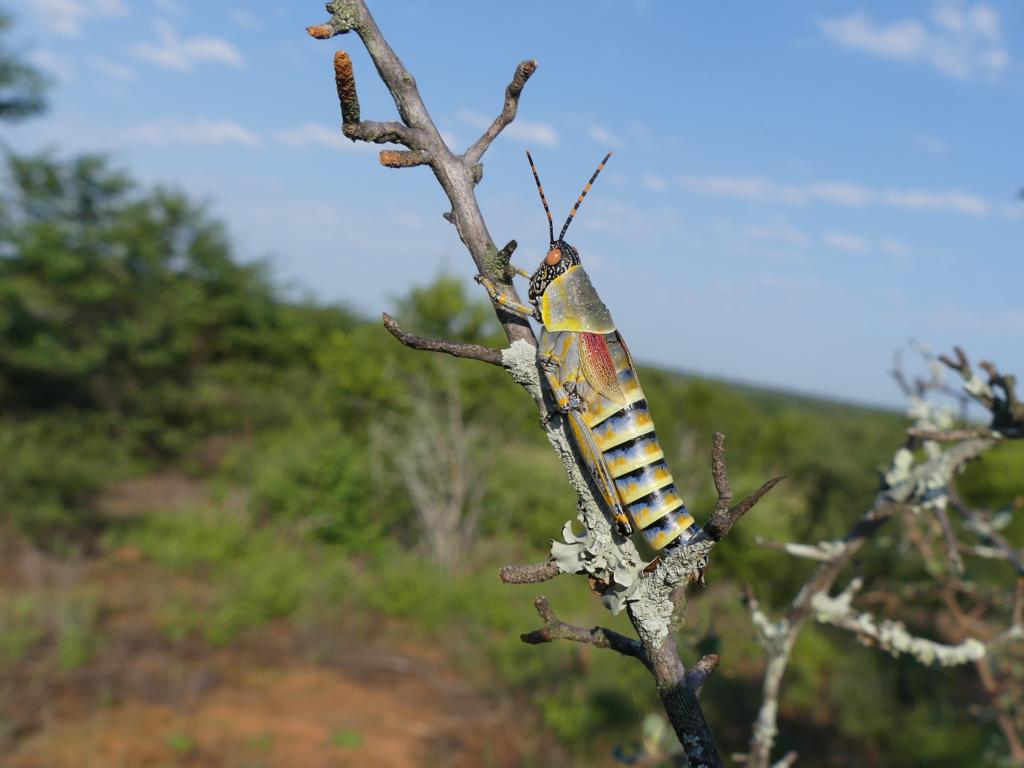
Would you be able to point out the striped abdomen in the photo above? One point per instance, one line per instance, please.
(625, 436)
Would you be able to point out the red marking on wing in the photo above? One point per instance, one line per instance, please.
(599, 368)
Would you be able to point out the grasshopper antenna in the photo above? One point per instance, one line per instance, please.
(583, 194)
(544, 200)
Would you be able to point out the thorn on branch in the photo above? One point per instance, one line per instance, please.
(533, 573)
(599, 637)
(454, 348)
(725, 517)
(512, 93)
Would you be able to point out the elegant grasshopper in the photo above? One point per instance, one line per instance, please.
(595, 384)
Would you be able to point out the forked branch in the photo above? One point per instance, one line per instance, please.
(599, 637)
(453, 348)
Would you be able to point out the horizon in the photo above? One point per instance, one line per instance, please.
(830, 173)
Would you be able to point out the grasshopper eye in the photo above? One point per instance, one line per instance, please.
(554, 256)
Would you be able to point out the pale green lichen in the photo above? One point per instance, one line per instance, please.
(892, 636)
(601, 558)
(651, 602)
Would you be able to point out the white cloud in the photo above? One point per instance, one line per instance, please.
(894, 247)
(244, 19)
(840, 193)
(193, 132)
(951, 201)
(52, 64)
(749, 188)
(172, 7)
(933, 145)
(112, 69)
(182, 54)
(761, 190)
(656, 183)
(526, 131)
(533, 133)
(65, 17)
(844, 241)
(602, 136)
(778, 233)
(958, 40)
(316, 135)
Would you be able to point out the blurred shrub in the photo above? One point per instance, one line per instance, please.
(51, 467)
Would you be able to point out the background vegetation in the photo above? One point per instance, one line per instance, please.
(135, 345)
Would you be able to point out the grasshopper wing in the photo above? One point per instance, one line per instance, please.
(599, 368)
(595, 462)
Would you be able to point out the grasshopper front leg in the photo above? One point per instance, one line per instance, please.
(503, 300)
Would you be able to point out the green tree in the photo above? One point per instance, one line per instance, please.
(21, 85)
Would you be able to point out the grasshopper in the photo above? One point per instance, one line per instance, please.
(594, 382)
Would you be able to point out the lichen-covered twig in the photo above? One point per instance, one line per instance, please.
(454, 348)
(1007, 410)
(892, 636)
(951, 435)
(599, 637)
(612, 563)
(916, 479)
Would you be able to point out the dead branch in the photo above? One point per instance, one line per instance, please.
(701, 671)
(454, 348)
(911, 482)
(508, 112)
(949, 537)
(724, 516)
(599, 637)
(534, 573)
(600, 553)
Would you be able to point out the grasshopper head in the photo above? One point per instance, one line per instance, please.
(559, 258)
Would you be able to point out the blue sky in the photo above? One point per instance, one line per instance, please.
(798, 188)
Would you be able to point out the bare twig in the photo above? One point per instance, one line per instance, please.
(454, 348)
(599, 637)
(651, 608)
(508, 112)
(725, 517)
(949, 536)
(997, 545)
(534, 573)
(702, 670)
